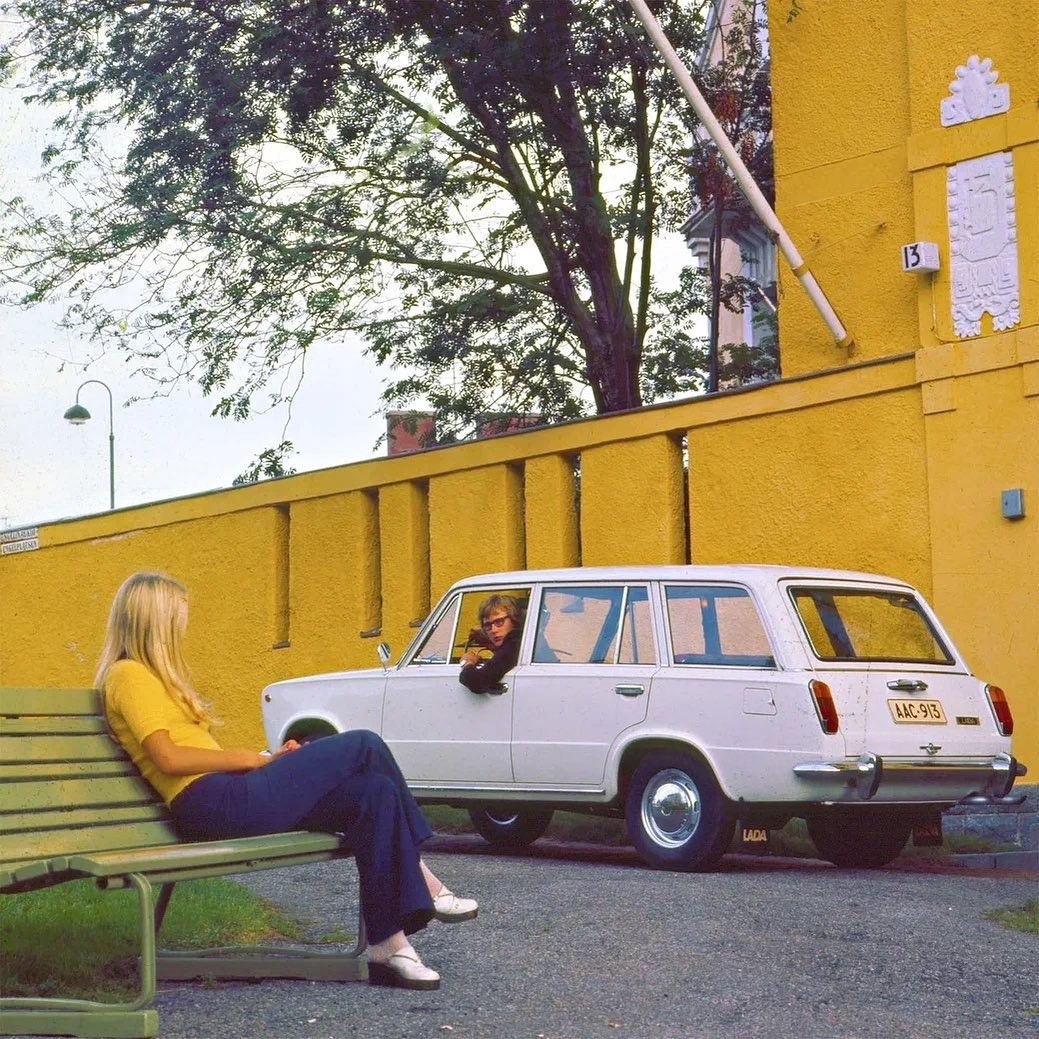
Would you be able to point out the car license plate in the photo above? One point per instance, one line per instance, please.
(927, 712)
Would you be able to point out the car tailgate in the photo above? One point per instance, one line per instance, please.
(900, 712)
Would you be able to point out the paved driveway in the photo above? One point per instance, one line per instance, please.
(587, 944)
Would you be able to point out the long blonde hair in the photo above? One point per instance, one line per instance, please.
(146, 623)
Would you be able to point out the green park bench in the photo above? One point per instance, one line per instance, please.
(73, 805)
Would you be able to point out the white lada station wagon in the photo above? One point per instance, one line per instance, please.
(685, 698)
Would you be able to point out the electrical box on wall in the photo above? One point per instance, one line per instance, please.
(1012, 503)
(920, 257)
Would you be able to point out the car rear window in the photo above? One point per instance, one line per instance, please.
(860, 624)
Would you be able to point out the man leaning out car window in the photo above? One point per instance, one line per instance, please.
(501, 622)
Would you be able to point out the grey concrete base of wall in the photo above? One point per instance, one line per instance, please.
(1011, 830)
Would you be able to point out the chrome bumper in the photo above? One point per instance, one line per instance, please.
(988, 782)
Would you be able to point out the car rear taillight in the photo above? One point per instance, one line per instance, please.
(997, 700)
(824, 706)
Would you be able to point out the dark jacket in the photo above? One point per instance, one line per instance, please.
(486, 675)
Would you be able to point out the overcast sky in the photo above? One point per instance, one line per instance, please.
(164, 448)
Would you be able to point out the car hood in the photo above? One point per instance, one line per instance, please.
(365, 675)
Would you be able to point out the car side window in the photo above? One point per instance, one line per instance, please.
(469, 634)
(716, 625)
(594, 625)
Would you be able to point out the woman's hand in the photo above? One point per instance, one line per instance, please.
(470, 656)
(286, 748)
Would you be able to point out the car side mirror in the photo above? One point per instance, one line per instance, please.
(383, 649)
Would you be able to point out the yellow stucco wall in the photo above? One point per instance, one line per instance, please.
(631, 502)
(859, 468)
(891, 459)
(982, 437)
(781, 492)
(861, 160)
(550, 504)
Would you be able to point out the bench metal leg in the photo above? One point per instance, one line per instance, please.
(266, 961)
(85, 1024)
(86, 1019)
(37, 1015)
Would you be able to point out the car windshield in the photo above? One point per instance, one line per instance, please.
(854, 624)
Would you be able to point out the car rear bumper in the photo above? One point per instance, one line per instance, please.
(870, 777)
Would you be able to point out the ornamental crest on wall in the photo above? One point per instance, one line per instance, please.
(975, 93)
(983, 243)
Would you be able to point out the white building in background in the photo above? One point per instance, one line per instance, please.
(746, 251)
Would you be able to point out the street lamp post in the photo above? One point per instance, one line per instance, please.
(77, 415)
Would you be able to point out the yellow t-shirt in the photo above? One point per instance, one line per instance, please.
(137, 705)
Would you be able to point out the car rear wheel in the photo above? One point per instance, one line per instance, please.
(860, 838)
(676, 814)
(510, 826)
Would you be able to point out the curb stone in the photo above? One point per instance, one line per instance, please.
(1026, 860)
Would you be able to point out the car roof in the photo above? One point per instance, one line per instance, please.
(743, 572)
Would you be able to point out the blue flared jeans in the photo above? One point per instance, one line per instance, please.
(349, 784)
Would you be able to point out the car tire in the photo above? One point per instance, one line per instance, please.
(859, 838)
(510, 826)
(677, 816)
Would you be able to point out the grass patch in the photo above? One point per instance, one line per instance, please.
(1020, 918)
(76, 940)
(566, 826)
(592, 829)
(447, 820)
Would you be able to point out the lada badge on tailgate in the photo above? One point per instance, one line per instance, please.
(926, 712)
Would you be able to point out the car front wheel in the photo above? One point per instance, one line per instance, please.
(858, 837)
(509, 826)
(676, 814)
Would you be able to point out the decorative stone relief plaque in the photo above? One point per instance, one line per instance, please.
(975, 93)
(983, 243)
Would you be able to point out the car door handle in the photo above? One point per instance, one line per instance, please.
(629, 690)
(908, 685)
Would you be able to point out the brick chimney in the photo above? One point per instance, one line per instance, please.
(409, 431)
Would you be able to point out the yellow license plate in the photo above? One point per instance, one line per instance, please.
(926, 712)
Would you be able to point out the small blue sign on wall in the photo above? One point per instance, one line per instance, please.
(1013, 504)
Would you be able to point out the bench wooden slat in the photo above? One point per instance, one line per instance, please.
(15, 748)
(60, 771)
(22, 822)
(48, 844)
(49, 794)
(14, 701)
(57, 725)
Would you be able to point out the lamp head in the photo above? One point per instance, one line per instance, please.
(77, 415)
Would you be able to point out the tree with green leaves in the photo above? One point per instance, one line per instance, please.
(473, 186)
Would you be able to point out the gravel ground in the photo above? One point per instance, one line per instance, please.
(578, 942)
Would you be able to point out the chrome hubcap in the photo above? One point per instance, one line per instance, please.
(671, 808)
(503, 817)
